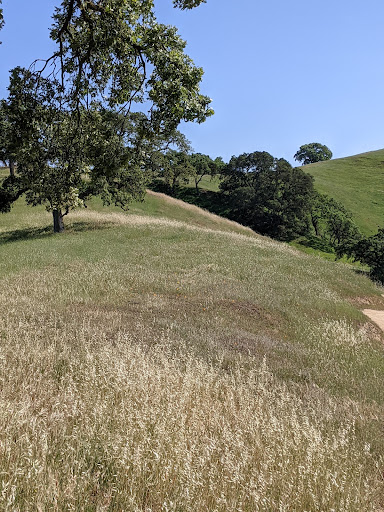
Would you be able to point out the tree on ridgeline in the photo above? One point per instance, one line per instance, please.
(83, 134)
(312, 153)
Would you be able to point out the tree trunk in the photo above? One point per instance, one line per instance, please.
(173, 187)
(58, 223)
(315, 224)
(12, 168)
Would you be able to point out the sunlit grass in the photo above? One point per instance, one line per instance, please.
(357, 182)
(153, 364)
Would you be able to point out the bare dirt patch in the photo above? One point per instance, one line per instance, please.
(375, 316)
(373, 301)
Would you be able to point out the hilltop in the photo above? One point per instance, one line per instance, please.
(358, 183)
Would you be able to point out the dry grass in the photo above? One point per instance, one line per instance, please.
(148, 365)
(132, 220)
(94, 422)
(195, 210)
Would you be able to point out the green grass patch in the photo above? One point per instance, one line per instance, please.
(358, 183)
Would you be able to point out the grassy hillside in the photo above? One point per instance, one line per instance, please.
(358, 183)
(169, 360)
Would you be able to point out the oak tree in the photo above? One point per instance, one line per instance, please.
(203, 165)
(370, 251)
(268, 195)
(176, 167)
(118, 81)
(312, 153)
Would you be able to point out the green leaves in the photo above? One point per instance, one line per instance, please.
(187, 4)
(115, 52)
(333, 223)
(312, 153)
(1, 18)
(266, 194)
(115, 89)
(371, 251)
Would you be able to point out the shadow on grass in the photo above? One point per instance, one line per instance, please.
(316, 243)
(210, 200)
(18, 235)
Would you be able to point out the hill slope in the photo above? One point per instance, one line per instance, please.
(167, 359)
(358, 183)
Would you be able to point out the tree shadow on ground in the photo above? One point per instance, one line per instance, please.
(36, 233)
(214, 202)
(316, 243)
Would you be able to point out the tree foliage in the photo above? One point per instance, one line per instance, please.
(85, 121)
(312, 153)
(3, 132)
(1, 17)
(370, 251)
(187, 4)
(9, 139)
(203, 165)
(175, 167)
(333, 223)
(268, 195)
(115, 51)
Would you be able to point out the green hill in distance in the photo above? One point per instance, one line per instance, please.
(358, 183)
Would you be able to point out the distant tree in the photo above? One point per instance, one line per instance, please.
(370, 251)
(312, 153)
(155, 149)
(204, 166)
(201, 166)
(268, 195)
(242, 170)
(176, 167)
(333, 223)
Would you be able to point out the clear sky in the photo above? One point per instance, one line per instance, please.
(281, 74)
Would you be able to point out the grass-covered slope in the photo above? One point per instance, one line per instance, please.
(166, 359)
(358, 183)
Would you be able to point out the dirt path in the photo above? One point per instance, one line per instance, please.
(375, 316)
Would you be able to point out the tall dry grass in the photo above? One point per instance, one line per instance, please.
(89, 423)
(132, 375)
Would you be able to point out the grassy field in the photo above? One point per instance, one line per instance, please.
(169, 360)
(358, 183)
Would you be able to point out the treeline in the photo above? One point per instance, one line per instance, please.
(275, 199)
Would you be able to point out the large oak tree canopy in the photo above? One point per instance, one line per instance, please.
(85, 119)
(115, 52)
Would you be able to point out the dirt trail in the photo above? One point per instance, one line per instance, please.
(376, 316)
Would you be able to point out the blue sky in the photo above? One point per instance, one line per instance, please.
(281, 74)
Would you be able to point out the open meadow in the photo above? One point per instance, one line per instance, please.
(165, 359)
